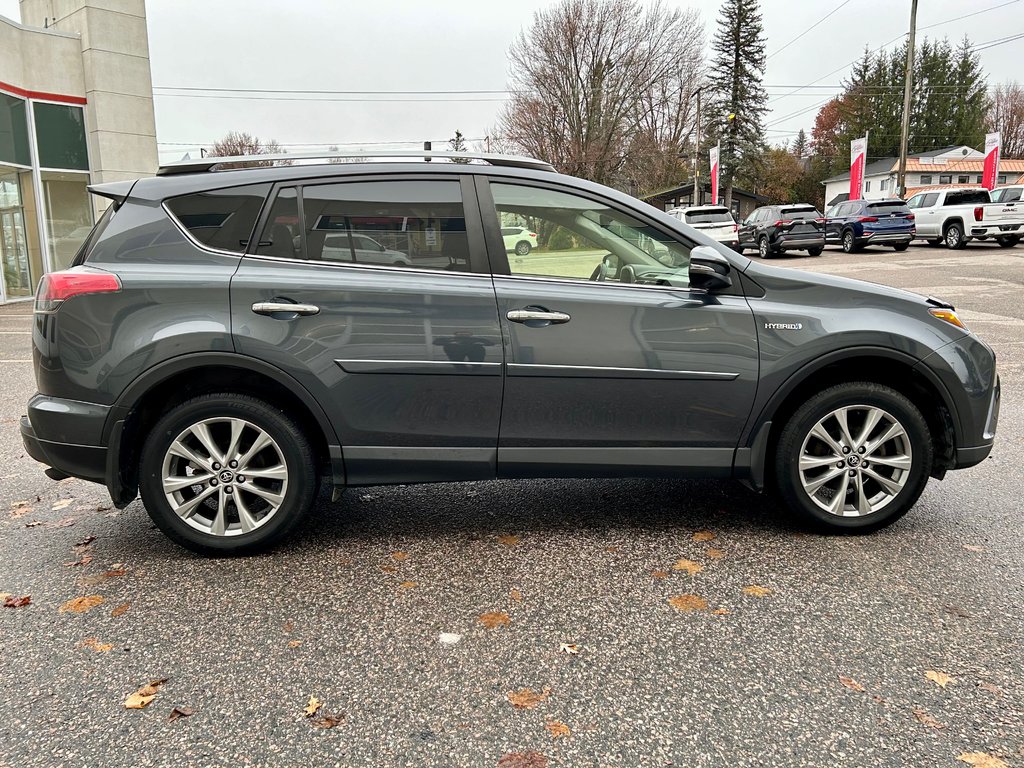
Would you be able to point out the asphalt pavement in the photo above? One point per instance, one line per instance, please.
(903, 648)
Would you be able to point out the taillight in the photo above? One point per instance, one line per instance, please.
(533, 234)
(57, 287)
(819, 220)
(979, 213)
(735, 227)
(909, 216)
(782, 222)
(867, 219)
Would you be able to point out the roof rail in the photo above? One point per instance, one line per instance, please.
(207, 163)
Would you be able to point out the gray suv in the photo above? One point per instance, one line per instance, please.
(221, 346)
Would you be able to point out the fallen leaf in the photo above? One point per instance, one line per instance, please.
(687, 603)
(179, 712)
(690, 566)
(10, 601)
(570, 648)
(721, 612)
(388, 569)
(34, 524)
(86, 541)
(974, 548)
(288, 626)
(142, 697)
(61, 504)
(81, 604)
(493, 619)
(328, 721)
(93, 644)
(20, 509)
(703, 536)
(527, 698)
(659, 574)
(516, 595)
(994, 689)
(115, 573)
(981, 760)
(716, 554)
(85, 560)
(121, 610)
(941, 679)
(612, 550)
(755, 591)
(958, 611)
(852, 684)
(558, 729)
(399, 556)
(294, 643)
(99, 578)
(508, 540)
(312, 707)
(528, 759)
(926, 719)
(67, 522)
(407, 585)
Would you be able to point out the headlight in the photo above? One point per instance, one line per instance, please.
(949, 316)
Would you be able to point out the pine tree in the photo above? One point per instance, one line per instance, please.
(457, 143)
(800, 148)
(739, 100)
(971, 98)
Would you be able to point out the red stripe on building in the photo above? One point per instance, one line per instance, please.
(26, 94)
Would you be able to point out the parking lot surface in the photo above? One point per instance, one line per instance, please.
(653, 622)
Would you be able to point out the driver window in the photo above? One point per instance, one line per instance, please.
(575, 238)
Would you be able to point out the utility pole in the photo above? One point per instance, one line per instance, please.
(487, 139)
(695, 198)
(908, 82)
(426, 146)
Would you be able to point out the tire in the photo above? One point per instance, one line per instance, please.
(522, 248)
(763, 249)
(816, 251)
(849, 242)
(954, 236)
(1008, 241)
(934, 241)
(284, 498)
(901, 247)
(870, 505)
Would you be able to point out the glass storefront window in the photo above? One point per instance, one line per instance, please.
(68, 215)
(19, 253)
(13, 131)
(60, 135)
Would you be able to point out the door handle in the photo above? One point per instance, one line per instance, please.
(284, 307)
(535, 314)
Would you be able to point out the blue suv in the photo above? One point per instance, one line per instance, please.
(857, 223)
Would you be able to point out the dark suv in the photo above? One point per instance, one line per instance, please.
(857, 223)
(774, 229)
(213, 348)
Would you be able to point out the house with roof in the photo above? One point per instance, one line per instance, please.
(956, 166)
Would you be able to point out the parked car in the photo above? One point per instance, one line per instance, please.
(857, 223)
(361, 249)
(954, 216)
(225, 374)
(1010, 194)
(773, 229)
(519, 240)
(715, 221)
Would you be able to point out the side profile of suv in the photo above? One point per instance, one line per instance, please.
(774, 229)
(207, 351)
(519, 240)
(857, 223)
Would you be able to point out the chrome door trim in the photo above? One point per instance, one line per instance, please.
(597, 371)
(428, 367)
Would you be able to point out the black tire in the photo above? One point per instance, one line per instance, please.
(295, 450)
(1008, 241)
(522, 248)
(816, 251)
(900, 247)
(790, 446)
(953, 236)
(764, 250)
(934, 241)
(850, 242)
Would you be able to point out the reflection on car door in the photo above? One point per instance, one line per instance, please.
(625, 374)
(407, 361)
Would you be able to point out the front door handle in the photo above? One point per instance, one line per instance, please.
(284, 307)
(537, 315)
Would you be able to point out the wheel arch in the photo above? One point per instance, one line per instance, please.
(954, 220)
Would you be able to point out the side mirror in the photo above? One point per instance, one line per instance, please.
(709, 270)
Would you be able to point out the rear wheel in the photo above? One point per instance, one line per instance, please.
(1008, 241)
(901, 247)
(853, 458)
(763, 249)
(849, 242)
(816, 251)
(954, 237)
(934, 241)
(522, 248)
(227, 474)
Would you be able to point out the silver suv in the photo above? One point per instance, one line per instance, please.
(223, 346)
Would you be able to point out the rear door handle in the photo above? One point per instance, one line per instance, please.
(537, 315)
(284, 307)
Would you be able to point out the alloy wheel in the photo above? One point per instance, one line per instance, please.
(224, 476)
(762, 247)
(855, 461)
(953, 237)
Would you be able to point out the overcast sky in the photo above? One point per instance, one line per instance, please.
(453, 45)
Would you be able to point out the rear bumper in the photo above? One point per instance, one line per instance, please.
(67, 435)
(88, 462)
(887, 237)
(996, 230)
(799, 243)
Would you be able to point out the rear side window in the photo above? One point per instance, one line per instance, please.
(709, 216)
(94, 236)
(969, 197)
(886, 208)
(222, 219)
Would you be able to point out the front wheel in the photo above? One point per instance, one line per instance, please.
(763, 249)
(227, 474)
(853, 458)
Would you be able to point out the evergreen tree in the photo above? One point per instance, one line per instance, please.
(738, 99)
(971, 98)
(457, 143)
(800, 147)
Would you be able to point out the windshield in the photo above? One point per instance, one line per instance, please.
(709, 216)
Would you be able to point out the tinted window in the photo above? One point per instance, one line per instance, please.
(221, 218)
(582, 239)
(800, 214)
(926, 178)
(397, 223)
(1007, 195)
(280, 235)
(929, 200)
(709, 216)
(887, 208)
(506, 231)
(967, 197)
(945, 179)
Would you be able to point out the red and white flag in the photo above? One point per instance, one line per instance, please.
(713, 156)
(858, 156)
(993, 144)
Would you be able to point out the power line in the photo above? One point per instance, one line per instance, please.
(780, 50)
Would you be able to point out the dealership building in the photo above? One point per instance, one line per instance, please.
(76, 108)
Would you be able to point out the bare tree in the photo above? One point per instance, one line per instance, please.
(238, 143)
(602, 89)
(1006, 115)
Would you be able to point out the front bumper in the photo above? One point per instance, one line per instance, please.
(67, 435)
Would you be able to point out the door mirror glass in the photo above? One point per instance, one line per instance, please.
(709, 270)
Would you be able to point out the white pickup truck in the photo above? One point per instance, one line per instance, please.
(955, 216)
